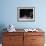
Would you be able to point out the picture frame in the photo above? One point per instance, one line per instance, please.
(26, 14)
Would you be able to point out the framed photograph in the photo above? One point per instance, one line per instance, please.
(26, 14)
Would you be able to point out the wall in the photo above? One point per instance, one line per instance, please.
(8, 13)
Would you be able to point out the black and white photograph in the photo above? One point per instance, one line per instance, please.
(26, 14)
